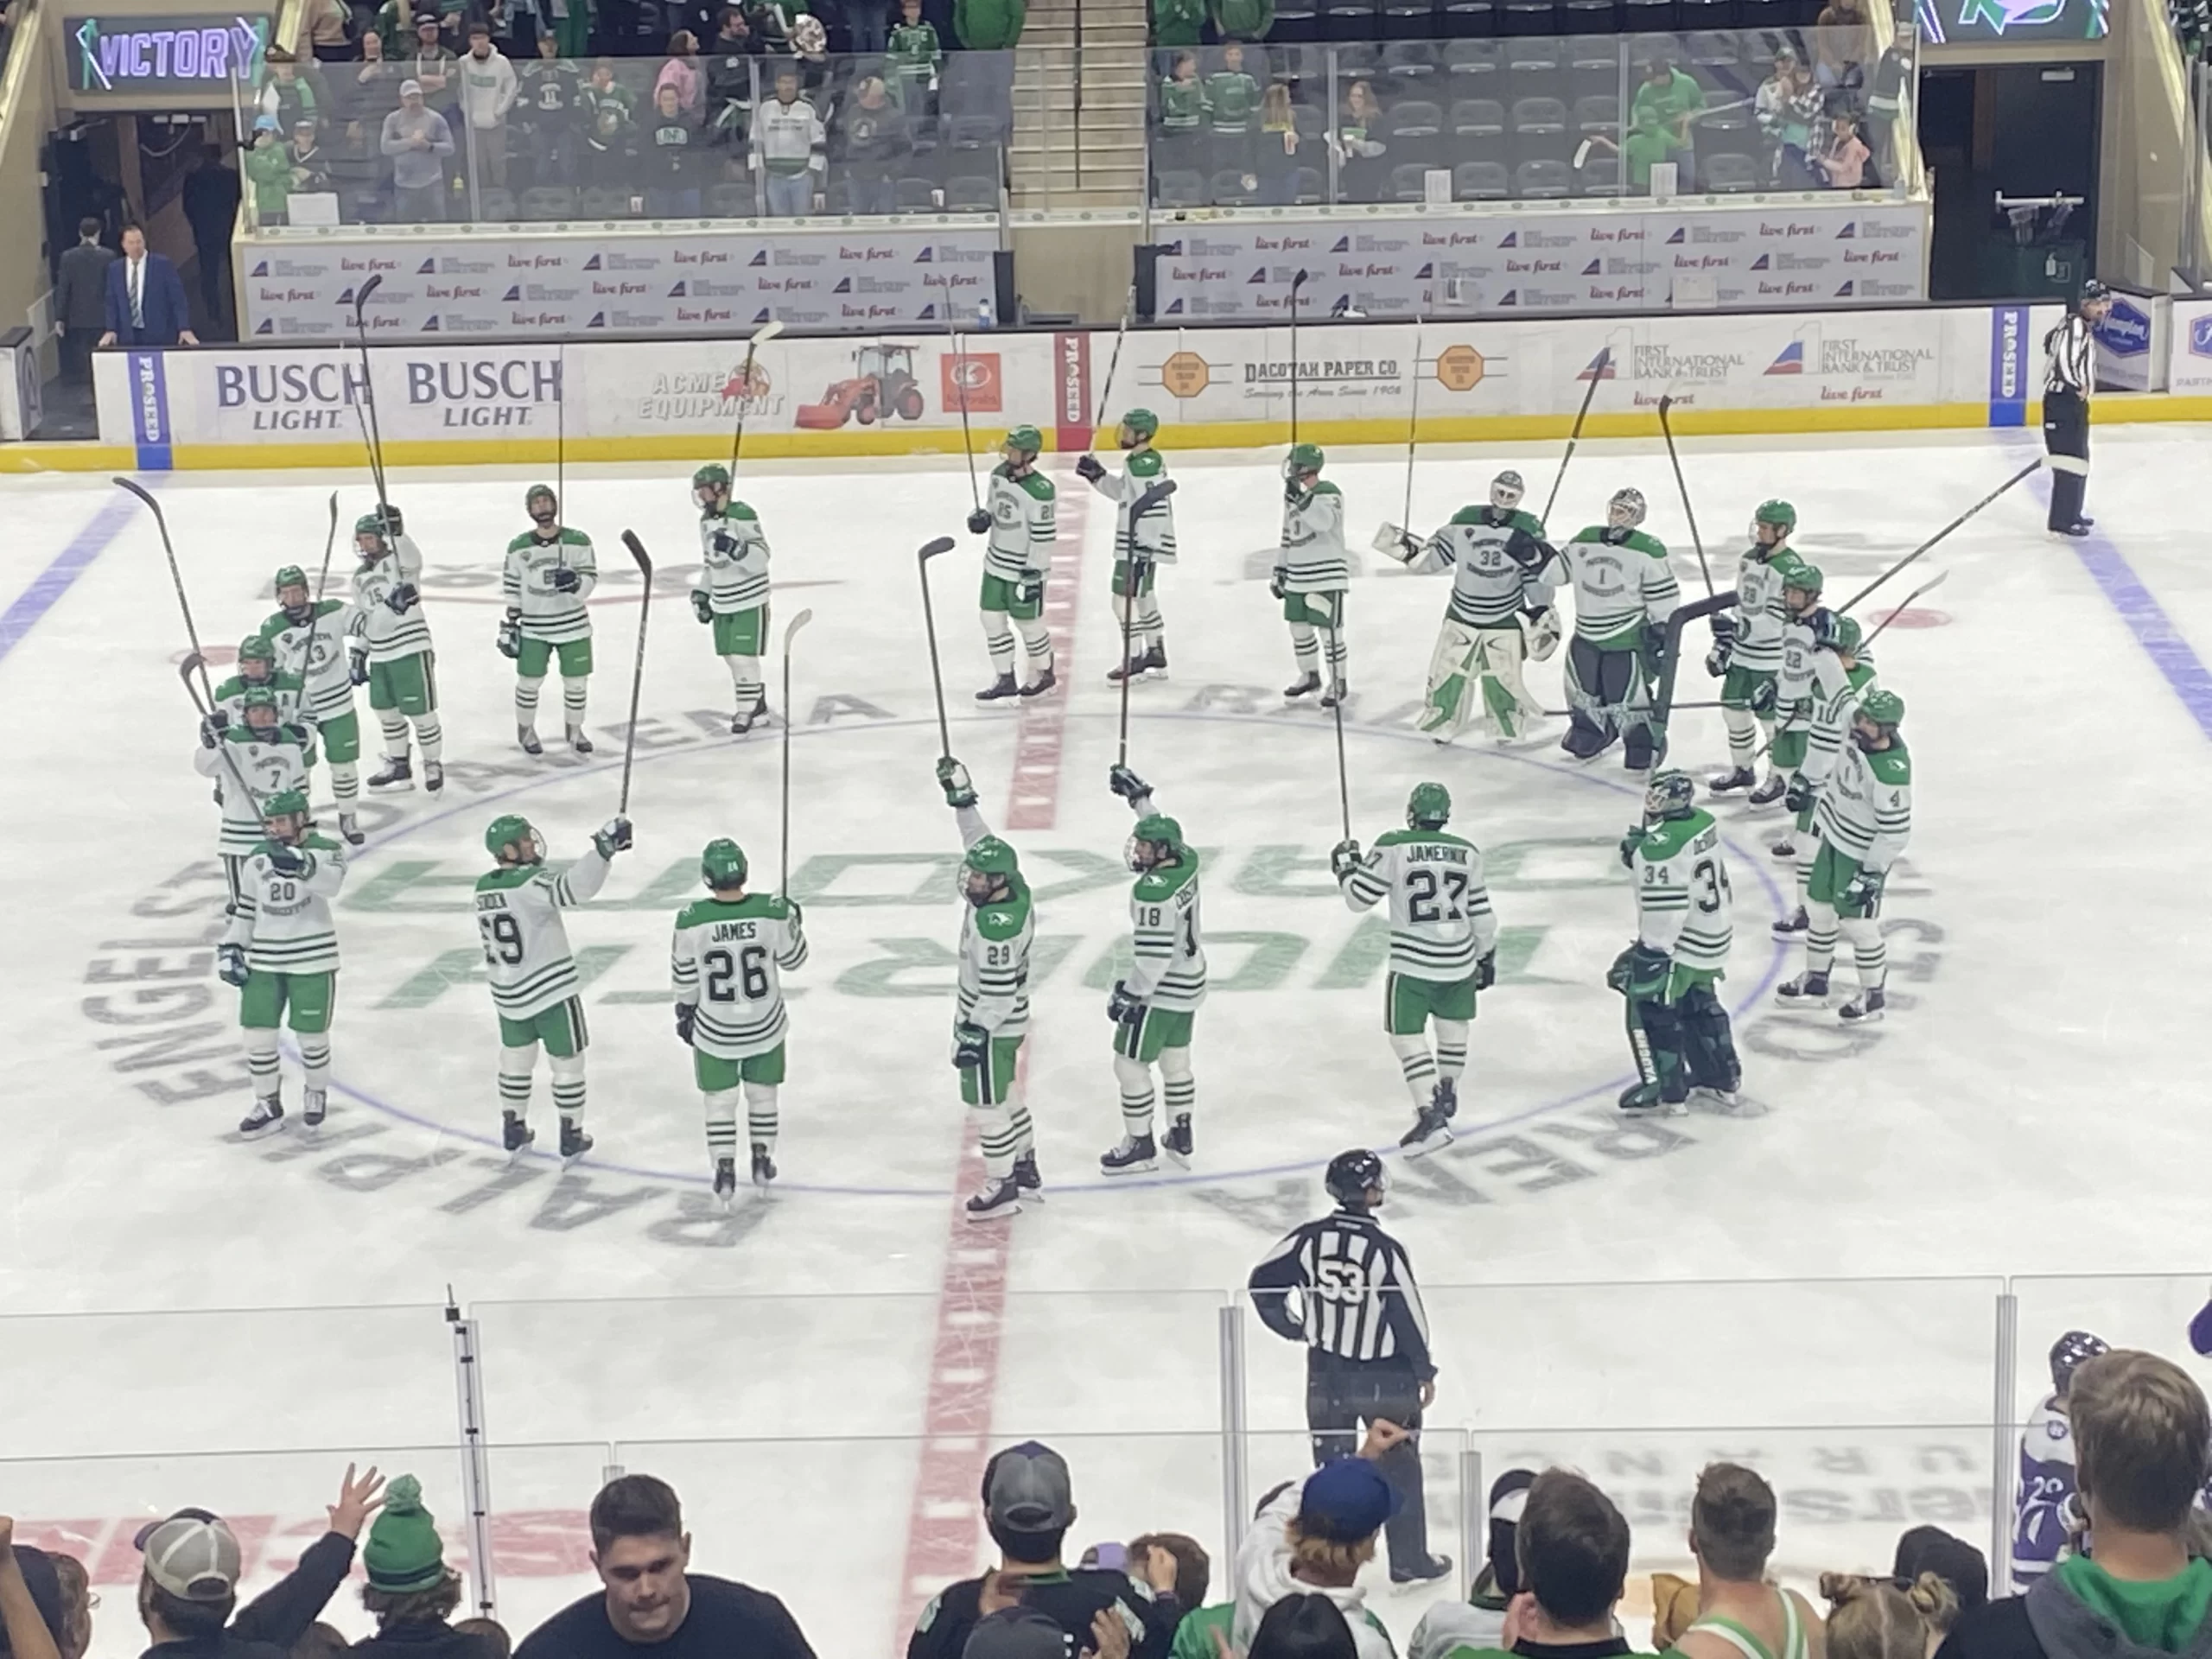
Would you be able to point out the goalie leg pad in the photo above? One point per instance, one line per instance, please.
(1451, 678)
(1708, 1044)
(1506, 703)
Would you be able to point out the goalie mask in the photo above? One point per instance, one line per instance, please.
(1625, 510)
(1157, 839)
(1671, 794)
(514, 842)
(1506, 491)
(988, 872)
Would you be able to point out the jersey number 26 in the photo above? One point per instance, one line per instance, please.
(748, 967)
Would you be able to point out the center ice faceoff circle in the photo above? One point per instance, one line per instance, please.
(870, 1014)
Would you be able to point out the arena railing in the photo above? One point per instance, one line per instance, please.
(1532, 118)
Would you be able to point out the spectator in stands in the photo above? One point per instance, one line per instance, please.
(268, 166)
(1886, 100)
(1012, 1632)
(1479, 1623)
(1276, 154)
(434, 68)
(652, 1602)
(729, 80)
(1356, 139)
(868, 139)
(287, 95)
(1958, 1563)
(1304, 1627)
(145, 298)
(1787, 104)
(914, 58)
(1573, 1549)
(75, 1636)
(1668, 102)
(329, 29)
(1182, 116)
(1242, 20)
(496, 1643)
(2142, 1444)
(683, 70)
(81, 300)
(394, 26)
(1840, 161)
(546, 111)
(988, 25)
(2191, 21)
(310, 164)
(672, 164)
(1232, 108)
(1731, 1535)
(1841, 43)
(1178, 23)
(1179, 1573)
(608, 135)
(571, 23)
(787, 148)
(30, 1600)
(1878, 1619)
(1317, 1537)
(771, 21)
(1028, 1506)
(488, 86)
(417, 140)
(411, 1592)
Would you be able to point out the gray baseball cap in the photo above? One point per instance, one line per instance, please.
(1026, 1488)
(1015, 1633)
(192, 1555)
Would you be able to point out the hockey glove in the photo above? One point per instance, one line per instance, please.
(1617, 972)
(287, 860)
(969, 1044)
(952, 779)
(1125, 1007)
(1396, 541)
(979, 521)
(1089, 469)
(356, 665)
(793, 912)
(1486, 970)
(1344, 859)
(1276, 581)
(1542, 628)
(510, 639)
(702, 606)
(1652, 646)
(724, 543)
(1127, 785)
(1032, 590)
(229, 963)
(1630, 843)
(1798, 798)
(613, 837)
(211, 729)
(1762, 697)
(1862, 894)
(404, 598)
(686, 1018)
(1723, 647)
(1647, 972)
(565, 579)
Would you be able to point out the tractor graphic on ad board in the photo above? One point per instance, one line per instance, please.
(883, 386)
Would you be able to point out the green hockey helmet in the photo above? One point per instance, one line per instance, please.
(1024, 440)
(1302, 458)
(291, 807)
(1848, 633)
(371, 525)
(1883, 708)
(255, 699)
(290, 575)
(723, 865)
(1156, 840)
(513, 831)
(1429, 807)
(1670, 794)
(712, 476)
(1799, 577)
(988, 864)
(255, 649)
(530, 500)
(1143, 422)
(1779, 514)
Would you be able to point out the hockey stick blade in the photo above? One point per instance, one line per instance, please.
(361, 294)
(1903, 606)
(792, 628)
(1151, 498)
(929, 549)
(2034, 465)
(637, 552)
(766, 332)
(141, 492)
(193, 663)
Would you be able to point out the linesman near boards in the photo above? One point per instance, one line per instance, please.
(1360, 1314)
(2070, 376)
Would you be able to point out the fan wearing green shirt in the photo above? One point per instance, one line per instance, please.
(1233, 111)
(1660, 118)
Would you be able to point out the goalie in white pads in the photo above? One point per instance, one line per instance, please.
(1624, 593)
(1503, 574)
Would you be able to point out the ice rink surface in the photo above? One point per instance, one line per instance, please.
(2034, 1105)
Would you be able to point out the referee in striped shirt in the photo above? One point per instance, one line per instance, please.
(1358, 1313)
(2070, 376)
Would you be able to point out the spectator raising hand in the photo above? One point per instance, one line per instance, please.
(32, 1629)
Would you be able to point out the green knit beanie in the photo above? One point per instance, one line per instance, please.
(403, 1553)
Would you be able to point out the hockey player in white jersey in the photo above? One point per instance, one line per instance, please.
(726, 962)
(280, 950)
(1500, 612)
(389, 642)
(249, 759)
(1312, 573)
(1862, 818)
(309, 639)
(1747, 652)
(1805, 624)
(1678, 1030)
(1019, 516)
(1624, 593)
(734, 602)
(257, 667)
(1140, 547)
(548, 578)
(1443, 949)
(1152, 1010)
(533, 973)
(2046, 1509)
(1843, 675)
(997, 925)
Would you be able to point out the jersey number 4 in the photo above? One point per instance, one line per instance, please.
(748, 968)
(1433, 901)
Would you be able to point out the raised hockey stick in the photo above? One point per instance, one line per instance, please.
(195, 662)
(1596, 373)
(1141, 506)
(783, 858)
(1666, 401)
(1343, 778)
(176, 578)
(321, 582)
(1413, 426)
(967, 436)
(929, 550)
(638, 673)
(1296, 283)
(561, 430)
(365, 408)
(2024, 472)
(1935, 580)
(766, 332)
(1106, 389)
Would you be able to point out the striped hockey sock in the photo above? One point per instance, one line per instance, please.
(568, 1098)
(1418, 1065)
(997, 1137)
(1339, 653)
(314, 1060)
(1869, 951)
(999, 638)
(722, 1124)
(760, 1117)
(1819, 937)
(1148, 623)
(395, 734)
(430, 736)
(1451, 1049)
(1743, 744)
(514, 1084)
(745, 681)
(1037, 641)
(1136, 1080)
(1025, 1132)
(1180, 1087)
(573, 696)
(262, 1065)
(526, 701)
(1302, 647)
(345, 782)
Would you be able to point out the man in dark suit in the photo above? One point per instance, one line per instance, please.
(145, 298)
(80, 299)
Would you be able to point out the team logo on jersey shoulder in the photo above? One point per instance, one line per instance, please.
(2055, 1428)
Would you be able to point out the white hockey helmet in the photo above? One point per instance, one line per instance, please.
(1506, 490)
(1625, 510)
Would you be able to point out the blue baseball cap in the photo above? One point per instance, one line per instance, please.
(1345, 1501)
(264, 123)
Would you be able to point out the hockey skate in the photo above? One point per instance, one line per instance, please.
(527, 737)
(1002, 687)
(397, 774)
(1422, 1572)
(1866, 1009)
(574, 1141)
(515, 1135)
(434, 776)
(1178, 1142)
(1304, 685)
(1724, 783)
(1444, 1099)
(1791, 926)
(746, 719)
(1808, 990)
(1783, 848)
(726, 1181)
(1769, 792)
(764, 1166)
(314, 1106)
(268, 1114)
(998, 1201)
(1044, 683)
(1026, 1177)
(1430, 1133)
(578, 741)
(1716, 1100)
(1134, 1156)
(1132, 668)
(349, 825)
(1156, 661)
(1339, 692)
(1648, 1100)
